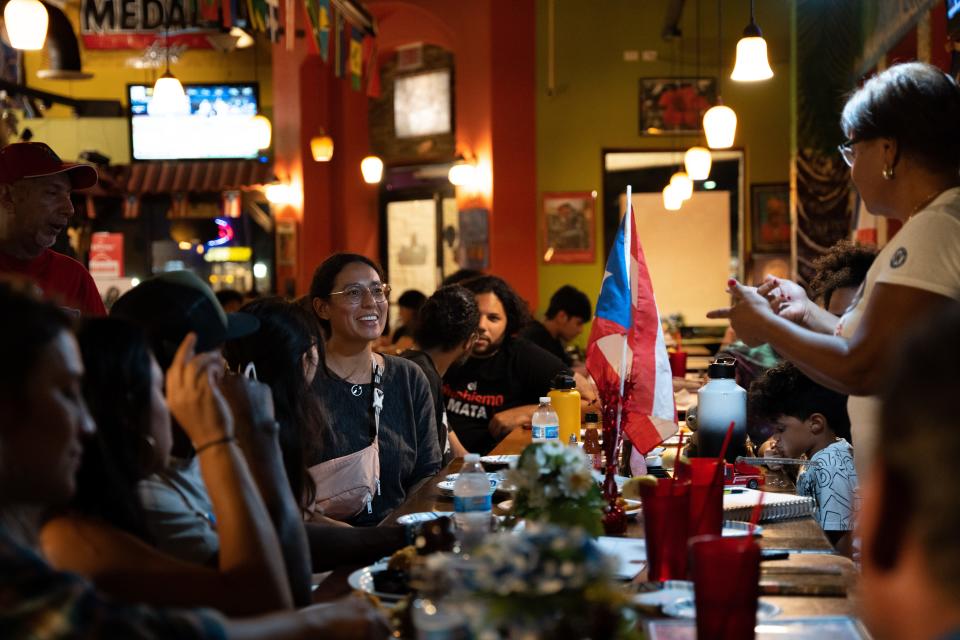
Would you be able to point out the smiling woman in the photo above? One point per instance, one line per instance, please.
(382, 437)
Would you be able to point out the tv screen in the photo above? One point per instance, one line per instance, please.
(217, 126)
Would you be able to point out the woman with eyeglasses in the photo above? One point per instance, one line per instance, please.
(903, 149)
(381, 442)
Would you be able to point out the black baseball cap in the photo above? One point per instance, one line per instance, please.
(171, 305)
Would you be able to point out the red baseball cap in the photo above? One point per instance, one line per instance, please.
(22, 160)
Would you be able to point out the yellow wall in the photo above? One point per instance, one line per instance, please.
(69, 135)
(596, 106)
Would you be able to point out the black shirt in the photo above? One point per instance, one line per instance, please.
(536, 333)
(518, 374)
(425, 362)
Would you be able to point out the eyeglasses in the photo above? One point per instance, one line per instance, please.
(355, 293)
(846, 150)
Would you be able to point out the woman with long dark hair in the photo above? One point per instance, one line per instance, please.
(285, 352)
(382, 440)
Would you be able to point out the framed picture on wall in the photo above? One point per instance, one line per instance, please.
(675, 105)
(773, 264)
(568, 227)
(770, 218)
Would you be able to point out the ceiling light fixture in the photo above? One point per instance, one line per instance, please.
(671, 198)
(169, 98)
(321, 147)
(720, 121)
(26, 22)
(372, 169)
(752, 63)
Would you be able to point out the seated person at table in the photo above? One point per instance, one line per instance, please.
(566, 314)
(408, 306)
(103, 535)
(382, 440)
(910, 513)
(811, 421)
(498, 388)
(45, 429)
(446, 332)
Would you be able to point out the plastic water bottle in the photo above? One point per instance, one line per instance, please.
(472, 503)
(545, 423)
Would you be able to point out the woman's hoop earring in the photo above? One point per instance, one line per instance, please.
(887, 172)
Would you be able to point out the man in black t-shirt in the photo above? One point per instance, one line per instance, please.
(498, 388)
(446, 330)
(568, 311)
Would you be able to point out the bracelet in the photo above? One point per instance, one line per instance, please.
(213, 443)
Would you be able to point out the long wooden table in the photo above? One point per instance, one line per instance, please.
(812, 561)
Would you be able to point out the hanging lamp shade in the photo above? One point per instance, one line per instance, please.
(321, 147)
(261, 131)
(169, 98)
(671, 198)
(26, 22)
(720, 126)
(697, 161)
(752, 64)
(683, 185)
(372, 169)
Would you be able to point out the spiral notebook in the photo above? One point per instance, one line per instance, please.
(776, 506)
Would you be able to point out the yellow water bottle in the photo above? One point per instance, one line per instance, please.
(566, 402)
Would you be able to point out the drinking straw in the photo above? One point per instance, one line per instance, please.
(676, 461)
(726, 440)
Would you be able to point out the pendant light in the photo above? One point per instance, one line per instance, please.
(462, 173)
(321, 147)
(26, 23)
(683, 185)
(261, 131)
(169, 98)
(752, 64)
(720, 121)
(671, 198)
(697, 160)
(372, 169)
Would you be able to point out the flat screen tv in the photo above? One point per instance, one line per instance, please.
(216, 127)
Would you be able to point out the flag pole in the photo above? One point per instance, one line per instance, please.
(627, 256)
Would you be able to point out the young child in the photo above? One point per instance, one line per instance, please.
(811, 421)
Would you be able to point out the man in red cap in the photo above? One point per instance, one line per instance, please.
(35, 206)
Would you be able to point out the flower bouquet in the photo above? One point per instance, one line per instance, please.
(545, 582)
(554, 483)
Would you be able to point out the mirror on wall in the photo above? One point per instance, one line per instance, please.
(690, 252)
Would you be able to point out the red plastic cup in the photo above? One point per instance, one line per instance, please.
(666, 518)
(726, 575)
(706, 494)
(678, 363)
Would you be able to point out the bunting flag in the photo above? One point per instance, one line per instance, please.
(209, 10)
(371, 66)
(272, 20)
(257, 11)
(318, 12)
(338, 57)
(356, 57)
(628, 323)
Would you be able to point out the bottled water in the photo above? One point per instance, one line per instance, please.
(472, 503)
(546, 424)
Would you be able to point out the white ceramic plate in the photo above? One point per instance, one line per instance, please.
(734, 529)
(362, 580)
(501, 460)
(446, 487)
(685, 607)
(423, 516)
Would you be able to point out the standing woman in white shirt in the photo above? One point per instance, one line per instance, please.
(903, 149)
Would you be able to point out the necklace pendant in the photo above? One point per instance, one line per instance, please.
(356, 390)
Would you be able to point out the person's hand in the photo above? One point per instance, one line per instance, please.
(194, 396)
(750, 314)
(787, 299)
(251, 404)
(351, 618)
(506, 421)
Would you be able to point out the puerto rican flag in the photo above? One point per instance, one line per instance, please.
(627, 311)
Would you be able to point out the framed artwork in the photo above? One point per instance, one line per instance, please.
(675, 105)
(568, 227)
(770, 218)
(286, 238)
